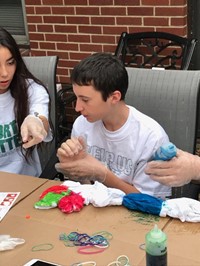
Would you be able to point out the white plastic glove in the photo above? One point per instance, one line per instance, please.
(76, 164)
(185, 209)
(97, 194)
(176, 172)
(32, 131)
(74, 147)
(8, 243)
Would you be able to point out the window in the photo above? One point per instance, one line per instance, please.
(13, 19)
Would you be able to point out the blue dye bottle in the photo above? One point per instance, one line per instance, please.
(156, 247)
(165, 152)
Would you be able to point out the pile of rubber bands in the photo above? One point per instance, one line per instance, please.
(93, 244)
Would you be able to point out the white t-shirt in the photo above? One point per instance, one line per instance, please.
(11, 158)
(127, 150)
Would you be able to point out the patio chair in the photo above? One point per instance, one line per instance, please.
(155, 49)
(44, 68)
(171, 98)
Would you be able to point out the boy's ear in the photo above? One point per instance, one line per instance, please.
(116, 96)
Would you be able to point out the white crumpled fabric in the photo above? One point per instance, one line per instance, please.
(185, 209)
(7, 242)
(97, 194)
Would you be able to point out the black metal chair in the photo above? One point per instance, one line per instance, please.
(155, 49)
(66, 98)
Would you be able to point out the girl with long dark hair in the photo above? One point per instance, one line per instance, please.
(24, 111)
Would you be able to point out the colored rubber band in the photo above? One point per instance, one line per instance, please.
(122, 260)
(89, 263)
(69, 243)
(42, 247)
(142, 246)
(93, 250)
(105, 234)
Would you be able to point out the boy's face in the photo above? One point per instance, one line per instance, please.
(91, 104)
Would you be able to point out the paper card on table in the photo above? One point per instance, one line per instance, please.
(7, 199)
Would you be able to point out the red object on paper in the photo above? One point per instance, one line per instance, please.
(55, 189)
(71, 203)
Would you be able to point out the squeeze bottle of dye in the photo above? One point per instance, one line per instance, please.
(165, 152)
(156, 247)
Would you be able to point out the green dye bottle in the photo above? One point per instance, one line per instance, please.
(156, 247)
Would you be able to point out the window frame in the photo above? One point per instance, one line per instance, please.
(22, 40)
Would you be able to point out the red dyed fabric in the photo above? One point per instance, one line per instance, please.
(55, 189)
(72, 203)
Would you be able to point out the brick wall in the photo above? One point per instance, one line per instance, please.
(74, 31)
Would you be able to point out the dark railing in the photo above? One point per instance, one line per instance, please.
(155, 49)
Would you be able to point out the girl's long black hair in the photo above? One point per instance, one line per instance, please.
(19, 85)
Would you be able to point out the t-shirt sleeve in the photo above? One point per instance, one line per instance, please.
(39, 102)
(38, 99)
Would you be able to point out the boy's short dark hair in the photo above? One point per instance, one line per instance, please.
(104, 71)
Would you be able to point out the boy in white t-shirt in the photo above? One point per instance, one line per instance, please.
(111, 142)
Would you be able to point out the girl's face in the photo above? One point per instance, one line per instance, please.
(7, 68)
